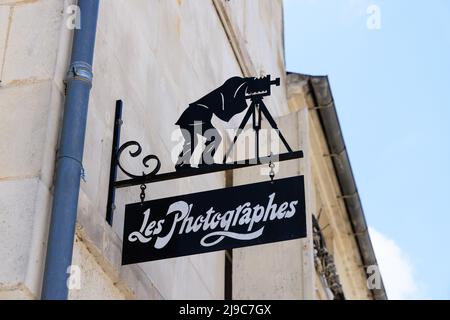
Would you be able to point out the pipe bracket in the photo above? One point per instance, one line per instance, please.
(80, 70)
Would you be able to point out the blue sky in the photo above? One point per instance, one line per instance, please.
(392, 92)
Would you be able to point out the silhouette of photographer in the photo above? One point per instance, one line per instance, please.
(224, 102)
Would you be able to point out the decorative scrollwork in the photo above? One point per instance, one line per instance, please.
(134, 154)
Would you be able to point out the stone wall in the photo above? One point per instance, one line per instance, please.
(33, 57)
(156, 56)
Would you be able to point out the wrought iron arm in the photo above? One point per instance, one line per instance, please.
(151, 178)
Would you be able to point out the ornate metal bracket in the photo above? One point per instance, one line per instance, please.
(256, 90)
(145, 160)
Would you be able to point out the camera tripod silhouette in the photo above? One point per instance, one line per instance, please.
(255, 110)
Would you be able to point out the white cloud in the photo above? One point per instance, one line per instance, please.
(396, 269)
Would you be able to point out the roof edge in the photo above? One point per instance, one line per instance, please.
(323, 97)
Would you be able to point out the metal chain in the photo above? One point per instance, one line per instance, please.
(142, 195)
(272, 172)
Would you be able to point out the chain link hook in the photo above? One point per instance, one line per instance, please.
(271, 166)
(142, 195)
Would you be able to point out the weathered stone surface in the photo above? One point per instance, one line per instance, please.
(32, 45)
(16, 220)
(5, 21)
(93, 282)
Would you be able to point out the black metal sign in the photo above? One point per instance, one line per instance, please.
(214, 220)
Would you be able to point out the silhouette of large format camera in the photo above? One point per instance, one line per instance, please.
(260, 87)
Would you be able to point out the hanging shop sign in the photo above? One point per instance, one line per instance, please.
(214, 220)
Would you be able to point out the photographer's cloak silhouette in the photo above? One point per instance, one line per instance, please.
(224, 102)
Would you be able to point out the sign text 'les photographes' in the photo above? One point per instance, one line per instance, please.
(214, 220)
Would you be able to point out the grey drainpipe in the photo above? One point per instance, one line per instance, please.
(70, 156)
